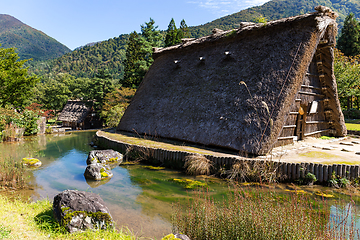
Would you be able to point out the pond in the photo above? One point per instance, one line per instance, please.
(137, 197)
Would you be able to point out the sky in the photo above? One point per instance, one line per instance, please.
(75, 23)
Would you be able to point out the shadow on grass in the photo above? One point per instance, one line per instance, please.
(47, 222)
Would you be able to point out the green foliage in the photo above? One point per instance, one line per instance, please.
(98, 88)
(30, 122)
(172, 37)
(352, 113)
(184, 30)
(139, 53)
(84, 62)
(30, 43)
(15, 82)
(54, 90)
(347, 71)
(261, 19)
(349, 40)
(310, 178)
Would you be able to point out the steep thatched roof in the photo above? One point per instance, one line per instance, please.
(192, 92)
(74, 111)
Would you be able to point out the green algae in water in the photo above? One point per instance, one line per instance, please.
(318, 154)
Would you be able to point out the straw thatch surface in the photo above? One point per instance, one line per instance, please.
(74, 111)
(192, 90)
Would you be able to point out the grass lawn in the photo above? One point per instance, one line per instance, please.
(21, 220)
(353, 126)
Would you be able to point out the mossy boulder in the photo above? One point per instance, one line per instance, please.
(108, 157)
(98, 171)
(31, 162)
(79, 211)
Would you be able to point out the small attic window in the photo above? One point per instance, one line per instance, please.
(314, 107)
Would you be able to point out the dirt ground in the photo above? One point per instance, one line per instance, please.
(325, 151)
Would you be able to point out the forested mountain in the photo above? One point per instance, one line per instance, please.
(277, 9)
(87, 60)
(30, 43)
(84, 62)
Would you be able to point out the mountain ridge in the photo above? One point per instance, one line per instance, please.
(30, 42)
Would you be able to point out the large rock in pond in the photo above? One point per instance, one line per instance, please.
(97, 172)
(104, 156)
(78, 211)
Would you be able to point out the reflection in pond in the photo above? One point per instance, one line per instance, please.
(138, 197)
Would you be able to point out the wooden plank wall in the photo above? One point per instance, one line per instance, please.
(312, 89)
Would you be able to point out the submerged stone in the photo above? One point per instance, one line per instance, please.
(104, 157)
(97, 172)
(79, 210)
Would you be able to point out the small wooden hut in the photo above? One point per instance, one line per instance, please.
(247, 89)
(77, 115)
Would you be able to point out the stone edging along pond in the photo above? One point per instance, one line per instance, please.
(288, 171)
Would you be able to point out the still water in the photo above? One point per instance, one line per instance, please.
(138, 198)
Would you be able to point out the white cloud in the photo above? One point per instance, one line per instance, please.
(224, 7)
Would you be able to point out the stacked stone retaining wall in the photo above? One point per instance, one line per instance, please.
(286, 170)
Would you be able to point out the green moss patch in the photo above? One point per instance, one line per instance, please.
(318, 154)
(30, 161)
(189, 184)
(154, 168)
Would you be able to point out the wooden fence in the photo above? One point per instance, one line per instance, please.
(287, 170)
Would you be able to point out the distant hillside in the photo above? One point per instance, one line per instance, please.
(30, 43)
(85, 61)
(277, 9)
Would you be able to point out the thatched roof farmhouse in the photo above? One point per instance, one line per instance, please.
(246, 89)
(77, 115)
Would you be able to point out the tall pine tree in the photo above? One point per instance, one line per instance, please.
(349, 40)
(183, 30)
(172, 37)
(139, 53)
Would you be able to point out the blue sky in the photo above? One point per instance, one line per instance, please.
(78, 22)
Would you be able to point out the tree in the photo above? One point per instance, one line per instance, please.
(139, 54)
(15, 83)
(347, 74)
(151, 34)
(115, 104)
(100, 86)
(349, 40)
(184, 30)
(172, 35)
(132, 75)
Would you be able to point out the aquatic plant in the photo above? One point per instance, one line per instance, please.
(197, 164)
(253, 214)
(12, 173)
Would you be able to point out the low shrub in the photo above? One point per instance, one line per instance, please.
(352, 113)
